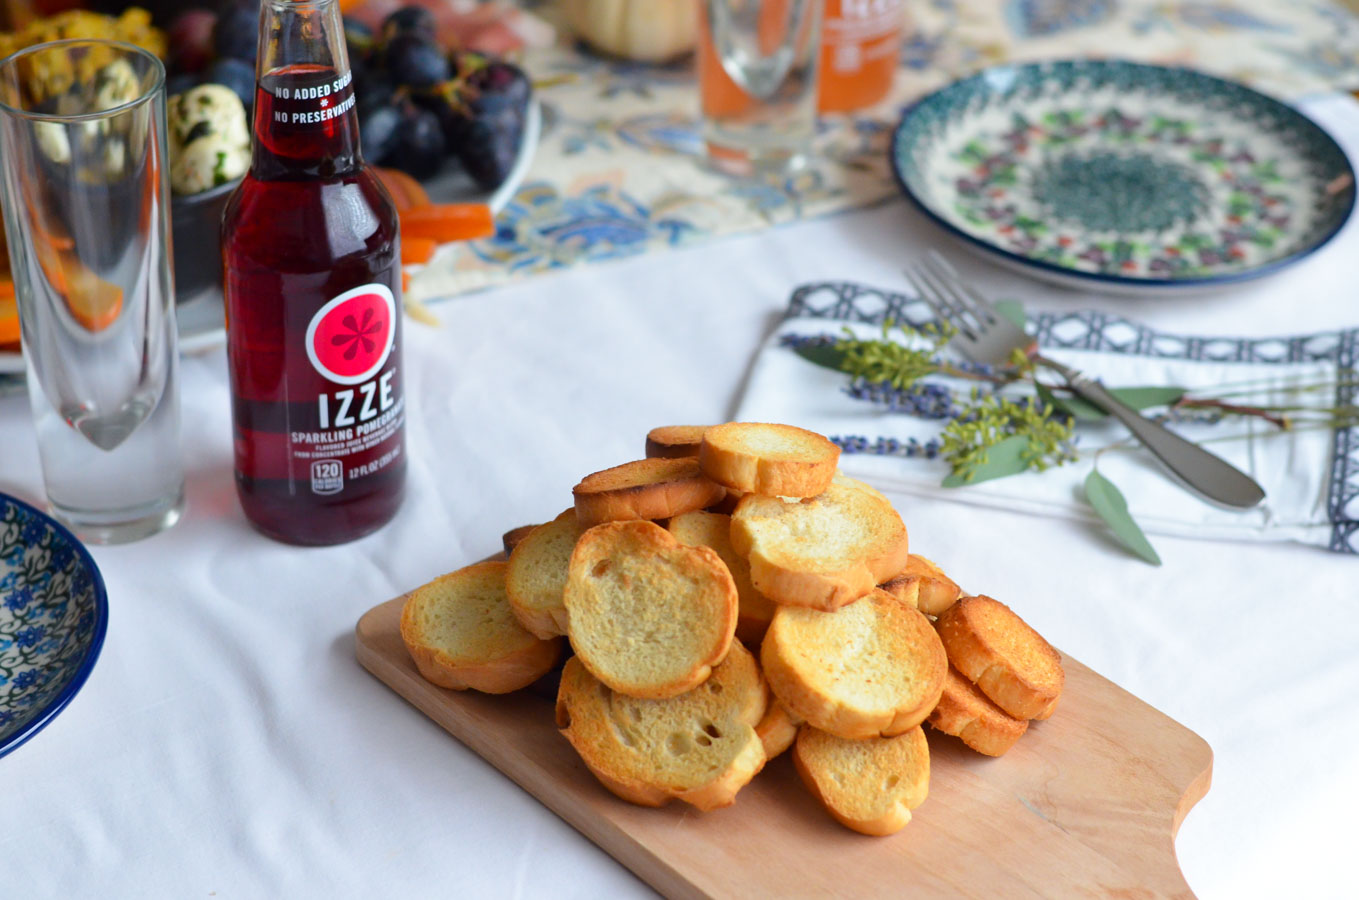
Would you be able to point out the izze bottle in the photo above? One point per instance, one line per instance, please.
(310, 245)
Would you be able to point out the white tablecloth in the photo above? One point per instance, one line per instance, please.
(228, 745)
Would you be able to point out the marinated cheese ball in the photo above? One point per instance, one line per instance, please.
(207, 162)
(209, 109)
(116, 84)
(53, 142)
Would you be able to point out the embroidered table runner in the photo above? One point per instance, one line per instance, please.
(1311, 474)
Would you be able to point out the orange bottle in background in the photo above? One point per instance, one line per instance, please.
(860, 46)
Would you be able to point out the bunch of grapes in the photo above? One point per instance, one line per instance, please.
(421, 107)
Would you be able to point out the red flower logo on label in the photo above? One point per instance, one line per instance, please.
(350, 338)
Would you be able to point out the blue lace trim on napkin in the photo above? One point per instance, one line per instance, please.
(1103, 333)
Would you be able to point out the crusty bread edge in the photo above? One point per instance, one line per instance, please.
(976, 730)
(703, 668)
(498, 676)
(826, 591)
(659, 500)
(985, 668)
(750, 473)
(834, 717)
(897, 817)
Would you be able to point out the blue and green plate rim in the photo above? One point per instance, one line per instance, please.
(1097, 278)
(100, 631)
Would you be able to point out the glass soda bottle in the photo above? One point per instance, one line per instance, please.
(311, 249)
(860, 47)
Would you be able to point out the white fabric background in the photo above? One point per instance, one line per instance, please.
(228, 745)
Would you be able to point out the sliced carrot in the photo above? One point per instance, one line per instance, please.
(406, 191)
(405, 282)
(9, 314)
(446, 222)
(417, 251)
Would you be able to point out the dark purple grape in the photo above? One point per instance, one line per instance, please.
(190, 37)
(379, 129)
(484, 120)
(375, 88)
(237, 33)
(415, 62)
(420, 149)
(409, 20)
(236, 74)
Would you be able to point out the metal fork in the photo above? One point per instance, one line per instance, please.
(987, 337)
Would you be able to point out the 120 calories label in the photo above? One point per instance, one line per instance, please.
(312, 104)
(348, 343)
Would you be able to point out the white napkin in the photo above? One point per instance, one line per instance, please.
(1311, 475)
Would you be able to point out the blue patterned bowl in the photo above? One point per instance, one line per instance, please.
(1126, 177)
(53, 615)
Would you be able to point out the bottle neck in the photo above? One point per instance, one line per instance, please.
(306, 125)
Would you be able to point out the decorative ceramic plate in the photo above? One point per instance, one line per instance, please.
(200, 318)
(53, 614)
(1129, 177)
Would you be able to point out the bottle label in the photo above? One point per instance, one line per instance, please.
(349, 343)
(863, 30)
(350, 338)
(311, 97)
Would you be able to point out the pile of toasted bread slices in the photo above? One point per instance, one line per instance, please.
(729, 597)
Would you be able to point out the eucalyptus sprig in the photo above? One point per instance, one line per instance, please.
(885, 361)
(997, 436)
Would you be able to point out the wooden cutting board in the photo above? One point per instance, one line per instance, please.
(1086, 804)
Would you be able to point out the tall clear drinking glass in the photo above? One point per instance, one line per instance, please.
(85, 189)
(757, 64)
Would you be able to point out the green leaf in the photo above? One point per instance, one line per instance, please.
(1113, 509)
(1071, 405)
(828, 355)
(1012, 310)
(1139, 398)
(1009, 457)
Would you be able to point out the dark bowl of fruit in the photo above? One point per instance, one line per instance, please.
(197, 226)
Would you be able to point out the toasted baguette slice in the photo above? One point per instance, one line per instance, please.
(777, 729)
(934, 591)
(511, 538)
(644, 489)
(870, 786)
(674, 441)
(774, 460)
(874, 668)
(705, 529)
(700, 747)
(461, 633)
(823, 552)
(536, 579)
(905, 588)
(647, 615)
(998, 652)
(967, 714)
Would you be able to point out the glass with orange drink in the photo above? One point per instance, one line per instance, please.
(757, 65)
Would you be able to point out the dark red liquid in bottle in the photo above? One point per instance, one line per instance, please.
(313, 286)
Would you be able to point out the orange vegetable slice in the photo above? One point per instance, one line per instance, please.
(417, 251)
(406, 192)
(446, 222)
(9, 314)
